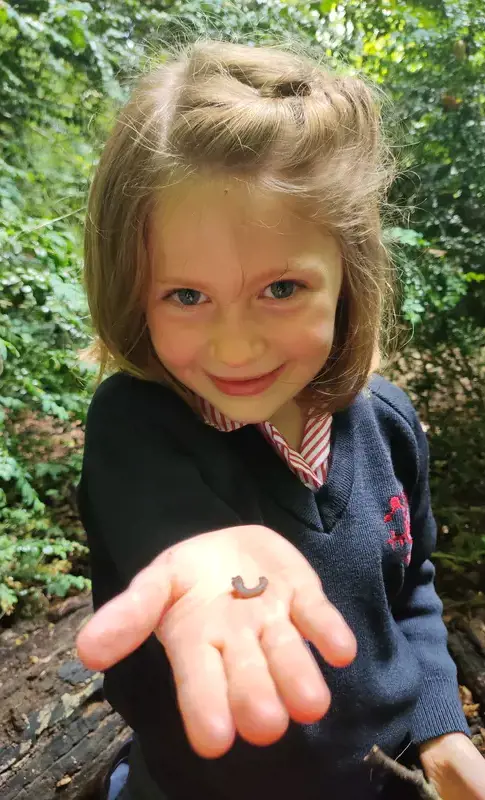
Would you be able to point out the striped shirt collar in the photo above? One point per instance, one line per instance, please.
(310, 464)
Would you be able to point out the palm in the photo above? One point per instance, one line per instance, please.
(239, 664)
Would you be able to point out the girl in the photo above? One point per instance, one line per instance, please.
(239, 459)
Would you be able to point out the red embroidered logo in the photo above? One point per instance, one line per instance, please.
(400, 532)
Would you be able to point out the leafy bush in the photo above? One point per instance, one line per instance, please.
(441, 363)
(42, 324)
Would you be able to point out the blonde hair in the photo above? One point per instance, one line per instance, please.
(274, 119)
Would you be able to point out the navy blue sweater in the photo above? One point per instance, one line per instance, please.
(155, 474)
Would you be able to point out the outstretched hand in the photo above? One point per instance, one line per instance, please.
(240, 665)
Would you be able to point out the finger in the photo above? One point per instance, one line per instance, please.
(295, 672)
(126, 621)
(319, 621)
(258, 711)
(201, 685)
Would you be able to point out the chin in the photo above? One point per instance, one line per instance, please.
(250, 410)
(246, 418)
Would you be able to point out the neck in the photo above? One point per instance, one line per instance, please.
(290, 421)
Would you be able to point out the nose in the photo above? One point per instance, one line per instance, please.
(236, 344)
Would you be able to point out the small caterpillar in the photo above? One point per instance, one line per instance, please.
(242, 591)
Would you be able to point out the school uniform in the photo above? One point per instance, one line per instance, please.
(155, 473)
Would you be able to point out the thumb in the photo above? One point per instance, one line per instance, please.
(126, 621)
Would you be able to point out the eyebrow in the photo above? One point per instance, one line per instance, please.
(269, 276)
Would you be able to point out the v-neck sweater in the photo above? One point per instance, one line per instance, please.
(155, 473)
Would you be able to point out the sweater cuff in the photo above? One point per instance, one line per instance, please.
(438, 711)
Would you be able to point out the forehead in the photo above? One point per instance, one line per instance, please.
(203, 225)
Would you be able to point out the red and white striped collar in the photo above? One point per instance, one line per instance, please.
(310, 465)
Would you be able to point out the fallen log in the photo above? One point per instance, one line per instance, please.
(466, 641)
(58, 734)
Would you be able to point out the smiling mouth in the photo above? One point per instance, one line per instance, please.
(246, 386)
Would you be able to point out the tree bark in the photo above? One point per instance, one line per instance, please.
(58, 734)
(466, 642)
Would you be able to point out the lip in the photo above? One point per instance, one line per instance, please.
(246, 387)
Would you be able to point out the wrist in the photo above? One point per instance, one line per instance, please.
(444, 750)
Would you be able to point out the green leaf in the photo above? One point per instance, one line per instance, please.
(8, 600)
(404, 236)
(476, 277)
(326, 6)
(78, 38)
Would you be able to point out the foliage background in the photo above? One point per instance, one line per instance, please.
(64, 70)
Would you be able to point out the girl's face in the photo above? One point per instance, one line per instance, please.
(243, 295)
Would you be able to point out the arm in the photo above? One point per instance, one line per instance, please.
(439, 727)
(418, 613)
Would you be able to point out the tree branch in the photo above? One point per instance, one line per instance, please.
(378, 758)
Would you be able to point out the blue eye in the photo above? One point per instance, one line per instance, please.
(188, 297)
(282, 290)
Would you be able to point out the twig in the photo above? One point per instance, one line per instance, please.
(378, 758)
(68, 606)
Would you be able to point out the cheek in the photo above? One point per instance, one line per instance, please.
(176, 345)
(311, 334)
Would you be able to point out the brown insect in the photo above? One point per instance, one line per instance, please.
(240, 590)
